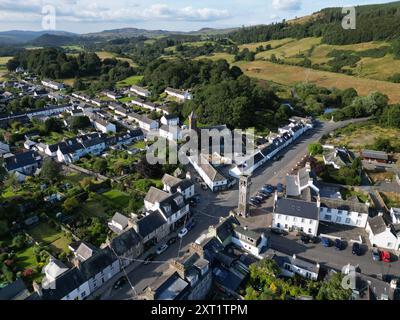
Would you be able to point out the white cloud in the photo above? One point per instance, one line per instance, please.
(289, 5)
(106, 11)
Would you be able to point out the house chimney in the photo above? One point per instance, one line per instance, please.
(77, 263)
(308, 167)
(37, 288)
(246, 228)
(294, 256)
(380, 214)
(318, 201)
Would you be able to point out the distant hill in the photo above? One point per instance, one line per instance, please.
(20, 37)
(135, 32)
(53, 40)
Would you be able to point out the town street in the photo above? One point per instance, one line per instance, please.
(214, 206)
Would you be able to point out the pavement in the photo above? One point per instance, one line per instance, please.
(215, 205)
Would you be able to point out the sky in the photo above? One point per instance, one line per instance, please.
(84, 16)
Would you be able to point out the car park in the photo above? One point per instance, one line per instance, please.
(356, 249)
(162, 249)
(385, 256)
(326, 242)
(266, 193)
(182, 233)
(119, 283)
(255, 200)
(376, 255)
(259, 198)
(253, 203)
(338, 244)
(262, 196)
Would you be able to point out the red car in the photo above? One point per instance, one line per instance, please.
(385, 256)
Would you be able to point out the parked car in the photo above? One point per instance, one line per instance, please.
(314, 239)
(356, 249)
(172, 240)
(120, 282)
(149, 258)
(326, 242)
(182, 233)
(385, 256)
(305, 238)
(162, 249)
(279, 231)
(268, 188)
(254, 203)
(264, 192)
(255, 200)
(262, 196)
(190, 225)
(261, 199)
(338, 244)
(376, 255)
(279, 187)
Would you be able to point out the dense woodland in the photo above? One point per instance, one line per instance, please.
(55, 64)
(374, 22)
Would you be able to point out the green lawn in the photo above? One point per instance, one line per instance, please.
(129, 81)
(26, 258)
(43, 232)
(125, 99)
(56, 137)
(117, 197)
(93, 208)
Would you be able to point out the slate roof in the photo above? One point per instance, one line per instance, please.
(297, 208)
(344, 205)
(150, 223)
(169, 287)
(209, 170)
(380, 155)
(85, 250)
(20, 160)
(225, 228)
(282, 258)
(377, 225)
(172, 204)
(97, 263)
(120, 219)
(125, 242)
(14, 291)
(156, 195)
(65, 284)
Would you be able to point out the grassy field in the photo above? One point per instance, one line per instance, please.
(272, 43)
(117, 197)
(129, 81)
(290, 49)
(109, 55)
(26, 258)
(56, 137)
(362, 135)
(93, 208)
(289, 75)
(392, 199)
(3, 68)
(217, 56)
(56, 239)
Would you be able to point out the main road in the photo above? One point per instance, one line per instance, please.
(213, 206)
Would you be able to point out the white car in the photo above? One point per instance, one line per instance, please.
(161, 249)
(182, 233)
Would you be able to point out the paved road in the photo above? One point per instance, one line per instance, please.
(214, 206)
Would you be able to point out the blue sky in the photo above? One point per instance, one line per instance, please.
(83, 16)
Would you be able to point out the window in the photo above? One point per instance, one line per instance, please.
(302, 220)
(294, 219)
(309, 230)
(389, 245)
(339, 212)
(347, 220)
(338, 219)
(278, 225)
(311, 222)
(359, 215)
(287, 218)
(358, 222)
(286, 226)
(83, 294)
(279, 216)
(328, 217)
(328, 210)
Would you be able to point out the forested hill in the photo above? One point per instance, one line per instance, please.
(374, 22)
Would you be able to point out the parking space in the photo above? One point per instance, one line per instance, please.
(345, 233)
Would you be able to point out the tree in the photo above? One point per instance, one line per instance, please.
(100, 165)
(79, 85)
(53, 125)
(79, 122)
(333, 289)
(71, 204)
(12, 181)
(3, 228)
(314, 149)
(51, 170)
(18, 241)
